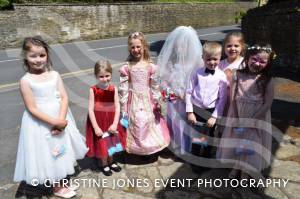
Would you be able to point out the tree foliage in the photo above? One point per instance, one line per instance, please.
(4, 4)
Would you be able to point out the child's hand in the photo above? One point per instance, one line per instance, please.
(55, 131)
(113, 128)
(98, 132)
(211, 122)
(228, 74)
(182, 96)
(192, 118)
(60, 124)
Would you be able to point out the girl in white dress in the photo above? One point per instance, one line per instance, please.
(180, 55)
(49, 142)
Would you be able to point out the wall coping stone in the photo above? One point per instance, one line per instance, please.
(127, 3)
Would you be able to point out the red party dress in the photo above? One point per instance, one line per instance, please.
(104, 110)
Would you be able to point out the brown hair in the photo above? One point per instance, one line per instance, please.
(145, 45)
(241, 38)
(102, 65)
(35, 41)
(212, 48)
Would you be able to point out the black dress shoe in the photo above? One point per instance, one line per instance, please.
(115, 167)
(106, 172)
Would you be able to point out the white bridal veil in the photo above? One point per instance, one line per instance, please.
(180, 54)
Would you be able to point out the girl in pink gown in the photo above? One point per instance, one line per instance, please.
(247, 137)
(147, 132)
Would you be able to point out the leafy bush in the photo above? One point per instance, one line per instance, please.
(239, 15)
(4, 4)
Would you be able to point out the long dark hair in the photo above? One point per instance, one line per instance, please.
(265, 73)
(35, 41)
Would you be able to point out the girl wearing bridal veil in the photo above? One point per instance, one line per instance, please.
(180, 55)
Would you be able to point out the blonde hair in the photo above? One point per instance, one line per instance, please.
(212, 48)
(145, 45)
(102, 65)
(241, 38)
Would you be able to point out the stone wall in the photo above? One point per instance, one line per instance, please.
(62, 23)
(277, 24)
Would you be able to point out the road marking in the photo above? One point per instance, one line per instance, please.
(8, 60)
(76, 73)
(110, 47)
(14, 86)
(118, 46)
(214, 33)
(3, 86)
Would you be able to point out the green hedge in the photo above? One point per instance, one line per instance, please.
(111, 1)
(73, 1)
(4, 4)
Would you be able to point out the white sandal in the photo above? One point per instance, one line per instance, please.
(73, 187)
(65, 194)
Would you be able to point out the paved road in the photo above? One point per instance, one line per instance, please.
(74, 61)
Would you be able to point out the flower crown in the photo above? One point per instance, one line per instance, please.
(134, 34)
(267, 49)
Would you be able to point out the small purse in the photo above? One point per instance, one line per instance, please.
(238, 130)
(203, 130)
(56, 146)
(113, 142)
(245, 147)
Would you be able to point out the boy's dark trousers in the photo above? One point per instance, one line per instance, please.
(202, 115)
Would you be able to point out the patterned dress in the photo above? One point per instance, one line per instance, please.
(248, 147)
(104, 110)
(147, 132)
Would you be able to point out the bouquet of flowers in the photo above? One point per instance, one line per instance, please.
(168, 94)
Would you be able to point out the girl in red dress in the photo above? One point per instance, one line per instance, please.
(104, 135)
